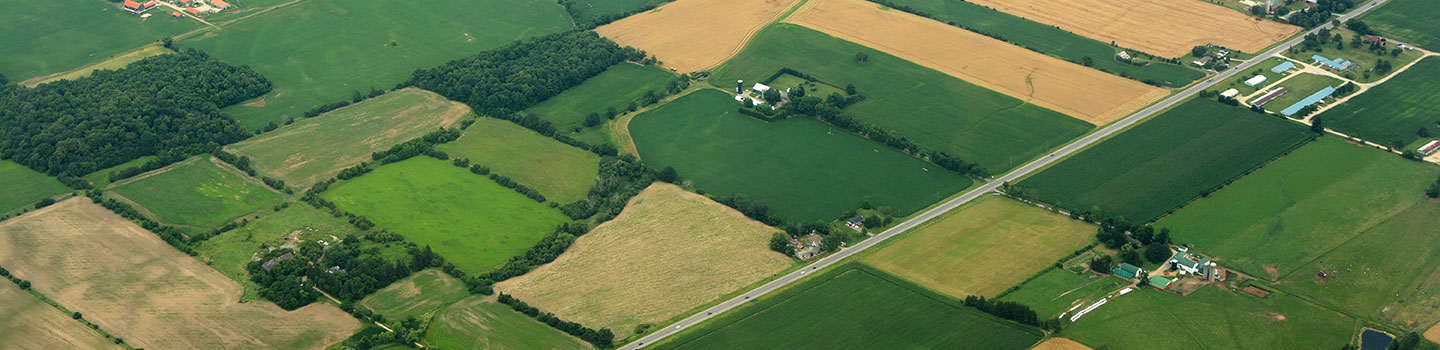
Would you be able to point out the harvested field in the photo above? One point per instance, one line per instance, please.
(1165, 28)
(669, 251)
(153, 295)
(693, 35)
(26, 322)
(315, 149)
(418, 295)
(971, 251)
(1433, 334)
(1059, 344)
(478, 322)
(1069, 88)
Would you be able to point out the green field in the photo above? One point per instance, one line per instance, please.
(1212, 317)
(101, 178)
(1280, 217)
(804, 169)
(44, 37)
(24, 187)
(562, 173)
(971, 251)
(1056, 291)
(473, 222)
(315, 149)
(592, 10)
(1298, 88)
(851, 306)
(935, 110)
(1395, 110)
(1050, 40)
(1164, 162)
(1411, 21)
(318, 52)
(197, 193)
(229, 252)
(459, 320)
(617, 87)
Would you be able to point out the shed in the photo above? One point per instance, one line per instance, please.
(1230, 93)
(1160, 282)
(219, 4)
(271, 264)
(1336, 64)
(1128, 271)
(1430, 147)
(1255, 80)
(1309, 100)
(1203, 60)
(760, 88)
(1281, 68)
(1123, 55)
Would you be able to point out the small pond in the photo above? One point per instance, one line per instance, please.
(1374, 340)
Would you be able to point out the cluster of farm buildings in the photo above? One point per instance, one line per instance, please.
(194, 7)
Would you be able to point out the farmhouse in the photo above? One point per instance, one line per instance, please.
(137, 7)
(856, 223)
(1255, 80)
(1281, 68)
(1338, 64)
(271, 264)
(1128, 271)
(1430, 147)
(1203, 61)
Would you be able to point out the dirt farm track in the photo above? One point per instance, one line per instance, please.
(135, 286)
(1165, 28)
(693, 35)
(1078, 91)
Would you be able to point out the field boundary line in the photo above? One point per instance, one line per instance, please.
(745, 41)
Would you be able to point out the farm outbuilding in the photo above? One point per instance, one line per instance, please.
(1309, 100)
(1430, 148)
(1128, 271)
(1160, 282)
(1268, 97)
(1281, 68)
(137, 7)
(1230, 93)
(1336, 64)
(1255, 80)
(760, 88)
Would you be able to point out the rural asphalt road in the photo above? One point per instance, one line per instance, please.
(988, 187)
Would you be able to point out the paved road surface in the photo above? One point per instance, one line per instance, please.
(1068, 149)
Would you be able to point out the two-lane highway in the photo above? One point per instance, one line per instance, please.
(1018, 173)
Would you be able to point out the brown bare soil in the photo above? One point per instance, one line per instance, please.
(1433, 334)
(1059, 344)
(1075, 90)
(1165, 28)
(138, 288)
(694, 35)
(26, 322)
(668, 252)
(1274, 316)
(1256, 291)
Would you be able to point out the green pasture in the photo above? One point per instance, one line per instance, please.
(1056, 291)
(1212, 317)
(854, 305)
(1166, 161)
(617, 88)
(473, 222)
(229, 252)
(45, 37)
(479, 322)
(1311, 201)
(804, 169)
(935, 110)
(1411, 21)
(1393, 111)
(197, 193)
(319, 52)
(101, 178)
(23, 187)
(562, 173)
(1050, 40)
(1298, 88)
(419, 295)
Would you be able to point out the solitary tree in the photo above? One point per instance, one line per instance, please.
(592, 120)
(861, 57)
(668, 175)
(1317, 125)
(1157, 252)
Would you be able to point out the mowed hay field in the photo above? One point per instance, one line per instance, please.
(562, 173)
(984, 248)
(1411, 21)
(694, 35)
(1211, 318)
(315, 149)
(617, 88)
(1165, 162)
(1056, 291)
(24, 187)
(318, 52)
(1311, 201)
(1164, 28)
(1050, 40)
(854, 306)
(1069, 88)
(1393, 111)
(668, 252)
(936, 111)
(459, 320)
(199, 193)
(46, 37)
(473, 222)
(26, 322)
(133, 285)
(804, 169)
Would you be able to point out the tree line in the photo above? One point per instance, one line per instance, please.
(1012, 311)
(577, 9)
(243, 163)
(601, 338)
(167, 102)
